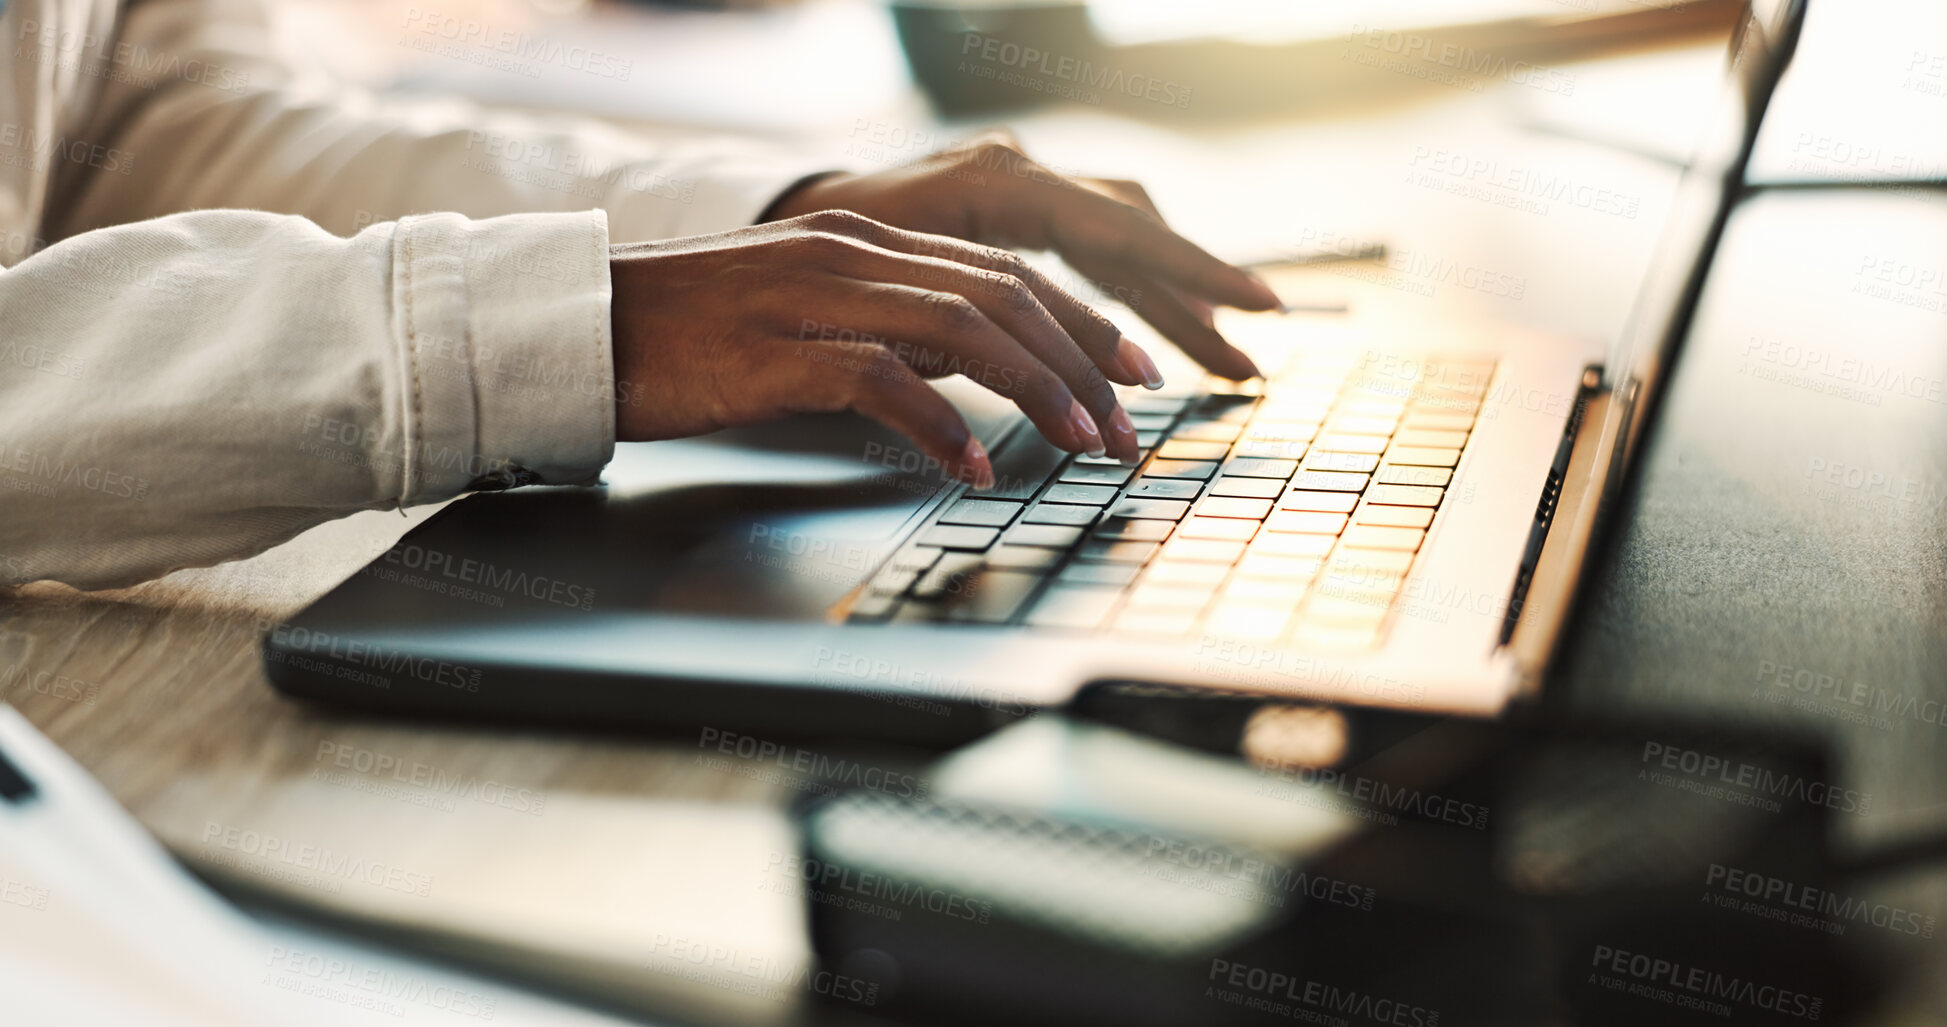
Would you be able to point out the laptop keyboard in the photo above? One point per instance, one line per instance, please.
(1286, 511)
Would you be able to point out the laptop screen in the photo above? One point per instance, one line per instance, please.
(1759, 51)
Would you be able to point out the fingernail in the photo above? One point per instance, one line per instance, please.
(1139, 363)
(1266, 295)
(974, 459)
(1120, 424)
(1246, 364)
(1085, 429)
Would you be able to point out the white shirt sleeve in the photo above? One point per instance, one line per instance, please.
(207, 385)
(180, 387)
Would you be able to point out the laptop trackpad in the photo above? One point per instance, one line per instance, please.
(777, 521)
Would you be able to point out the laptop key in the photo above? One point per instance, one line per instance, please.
(894, 580)
(1355, 463)
(1057, 536)
(1106, 460)
(1111, 551)
(1260, 564)
(1091, 495)
(1368, 561)
(1439, 422)
(958, 536)
(1151, 509)
(1060, 513)
(1323, 502)
(1197, 469)
(1367, 536)
(1225, 528)
(1164, 488)
(947, 575)
(1306, 522)
(1074, 607)
(991, 597)
(1280, 543)
(1097, 474)
(1242, 619)
(988, 513)
(1258, 467)
(1423, 456)
(1150, 422)
(1405, 495)
(1358, 425)
(1248, 488)
(1202, 550)
(1191, 597)
(1430, 439)
(1178, 572)
(1023, 558)
(917, 557)
(1134, 529)
(1230, 506)
(1099, 573)
(1340, 442)
(1396, 516)
(1177, 449)
(1436, 477)
(1171, 405)
(1270, 449)
(1207, 431)
(1328, 481)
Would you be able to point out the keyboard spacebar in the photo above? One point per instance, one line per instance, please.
(1024, 465)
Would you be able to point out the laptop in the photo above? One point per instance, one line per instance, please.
(1395, 515)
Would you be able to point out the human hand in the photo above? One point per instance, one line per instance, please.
(989, 192)
(833, 311)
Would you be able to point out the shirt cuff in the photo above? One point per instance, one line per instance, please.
(505, 341)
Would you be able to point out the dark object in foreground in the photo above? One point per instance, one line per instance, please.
(1459, 873)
